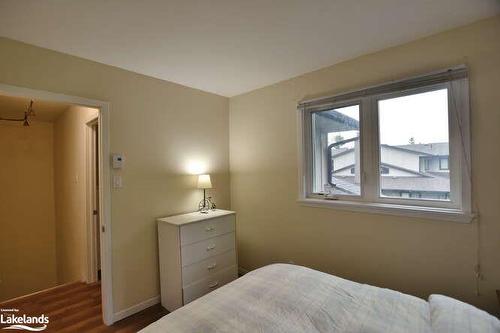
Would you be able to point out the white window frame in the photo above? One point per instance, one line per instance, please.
(458, 208)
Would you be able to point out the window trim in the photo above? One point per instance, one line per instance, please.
(444, 214)
(457, 209)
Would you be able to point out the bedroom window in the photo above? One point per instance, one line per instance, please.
(397, 148)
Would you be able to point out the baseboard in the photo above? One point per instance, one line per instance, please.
(242, 271)
(136, 308)
(38, 293)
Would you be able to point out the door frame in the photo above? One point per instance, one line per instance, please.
(104, 177)
(90, 198)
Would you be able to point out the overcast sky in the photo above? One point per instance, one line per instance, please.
(422, 116)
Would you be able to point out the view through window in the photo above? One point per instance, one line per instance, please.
(337, 134)
(414, 146)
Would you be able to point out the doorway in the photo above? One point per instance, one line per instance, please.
(101, 240)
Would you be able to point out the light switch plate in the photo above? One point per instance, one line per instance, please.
(117, 181)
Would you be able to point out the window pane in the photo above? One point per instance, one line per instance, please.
(414, 146)
(336, 151)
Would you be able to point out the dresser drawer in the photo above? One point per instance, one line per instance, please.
(205, 286)
(194, 232)
(208, 267)
(196, 252)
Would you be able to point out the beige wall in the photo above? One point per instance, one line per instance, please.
(27, 223)
(160, 127)
(415, 256)
(70, 192)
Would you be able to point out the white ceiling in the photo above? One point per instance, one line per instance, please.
(14, 107)
(229, 47)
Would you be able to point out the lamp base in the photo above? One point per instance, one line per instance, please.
(204, 206)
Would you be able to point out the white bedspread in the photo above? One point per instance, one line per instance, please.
(289, 298)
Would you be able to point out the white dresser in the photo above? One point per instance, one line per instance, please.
(197, 254)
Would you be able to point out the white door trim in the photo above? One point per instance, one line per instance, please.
(104, 176)
(90, 206)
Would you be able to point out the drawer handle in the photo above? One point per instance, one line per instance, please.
(211, 228)
(213, 285)
(209, 267)
(211, 247)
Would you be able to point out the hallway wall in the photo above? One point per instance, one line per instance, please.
(70, 192)
(27, 218)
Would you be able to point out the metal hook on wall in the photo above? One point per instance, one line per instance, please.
(30, 112)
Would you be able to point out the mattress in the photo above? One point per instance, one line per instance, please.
(290, 298)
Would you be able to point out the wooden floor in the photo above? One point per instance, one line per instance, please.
(76, 307)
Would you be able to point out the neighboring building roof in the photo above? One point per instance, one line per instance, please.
(416, 173)
(411, 151)
(346, 184)
(340, 118)
(436, 149)
(441, 173)
(341, 151)
(420, 184)
(436, 184)
(430, 149)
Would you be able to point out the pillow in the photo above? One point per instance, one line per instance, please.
(451, 315)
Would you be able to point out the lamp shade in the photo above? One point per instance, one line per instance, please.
(204, 181)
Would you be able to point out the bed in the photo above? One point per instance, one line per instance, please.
(290, 298)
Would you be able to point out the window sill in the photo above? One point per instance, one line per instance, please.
(432, 213)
